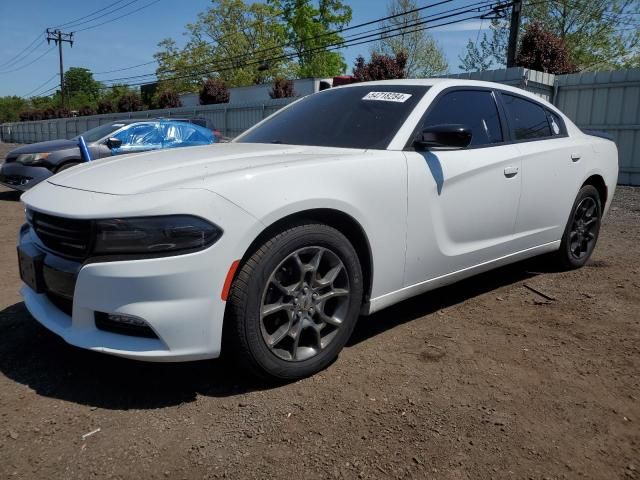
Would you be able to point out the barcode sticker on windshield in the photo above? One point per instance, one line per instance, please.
(387, 96)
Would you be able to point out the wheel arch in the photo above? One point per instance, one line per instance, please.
(66, 161)
(341, 221)
(597, 181)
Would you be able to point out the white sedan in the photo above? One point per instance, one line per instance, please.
(341, 204)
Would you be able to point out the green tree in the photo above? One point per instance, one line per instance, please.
(598, 34)
(81, 87)
(129, 102)
(45, 102)
(167, 98)
(491, 52)
(309, 30)
(10, 108)
(228, 41)
(213, 91)
(380, 67)
(424, 57)
(282, 88)
(543, 51)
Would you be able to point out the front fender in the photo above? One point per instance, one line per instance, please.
(371, 188)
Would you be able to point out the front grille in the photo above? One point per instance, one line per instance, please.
(64, 236)
(15, 180)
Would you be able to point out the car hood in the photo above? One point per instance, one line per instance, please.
(43, 147)
(192, 167)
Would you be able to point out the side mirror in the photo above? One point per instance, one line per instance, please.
(113, 143)
(443, 136)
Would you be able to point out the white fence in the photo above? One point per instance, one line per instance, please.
(607, 101)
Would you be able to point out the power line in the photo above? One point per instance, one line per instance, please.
(59, 38)
(40, 86)
(24, 57)
(76, 20)
(126, 68)
(359, 36)
(335, 46)
(118, 18)
(46, 93)
(30, 63)
(34, 45)
(586, 10)
(344, 29)
(18, 55)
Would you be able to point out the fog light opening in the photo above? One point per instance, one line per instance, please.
(123, 324)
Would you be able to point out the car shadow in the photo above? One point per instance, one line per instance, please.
(33, 356)
(443, 297)
(10, 195)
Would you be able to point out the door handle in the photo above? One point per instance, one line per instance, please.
(575, 157)
(510, 172)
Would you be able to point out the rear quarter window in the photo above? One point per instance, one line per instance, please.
(528, 119)
(556, 124)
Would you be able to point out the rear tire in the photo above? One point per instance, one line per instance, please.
(582, 229)
(294, 303)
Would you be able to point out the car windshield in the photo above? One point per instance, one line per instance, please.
(102, 131)
(363, 116)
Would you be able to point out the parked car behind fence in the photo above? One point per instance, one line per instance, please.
(28, 165)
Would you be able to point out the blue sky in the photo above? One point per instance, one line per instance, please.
(133, 39)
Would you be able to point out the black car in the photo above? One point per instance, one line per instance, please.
(30, 164)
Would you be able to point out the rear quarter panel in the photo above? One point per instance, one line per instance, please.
(604, 162)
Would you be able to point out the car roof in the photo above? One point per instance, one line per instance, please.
(198, 121)
(128, 121)
(455, 82)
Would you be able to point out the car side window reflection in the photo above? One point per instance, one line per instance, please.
(528, 119)
(475, 109)
(139, 135)
(555, 123)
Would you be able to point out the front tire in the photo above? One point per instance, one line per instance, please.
(582, 229)
(66, 166)
(294, 303)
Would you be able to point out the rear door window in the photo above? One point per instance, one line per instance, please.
(528, 119)
(475, 109)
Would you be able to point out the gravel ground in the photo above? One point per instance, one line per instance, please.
(482, 379)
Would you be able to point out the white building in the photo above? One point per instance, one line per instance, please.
(258, 93)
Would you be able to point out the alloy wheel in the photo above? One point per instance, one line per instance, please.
(304, 303)
(584, 228)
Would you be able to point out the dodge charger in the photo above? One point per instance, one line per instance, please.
(269, 248)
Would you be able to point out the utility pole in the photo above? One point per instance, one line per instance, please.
(514, 29)
(58, 37)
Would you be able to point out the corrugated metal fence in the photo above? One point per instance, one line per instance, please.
(607, 101)
(539, 83)
(230, 119)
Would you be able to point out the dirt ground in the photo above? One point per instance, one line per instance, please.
(482, 379)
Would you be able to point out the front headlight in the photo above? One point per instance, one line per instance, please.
(165, 234)
(32, 159)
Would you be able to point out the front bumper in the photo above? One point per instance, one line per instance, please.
(179, 297)
(21, 177)
(173, 295)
